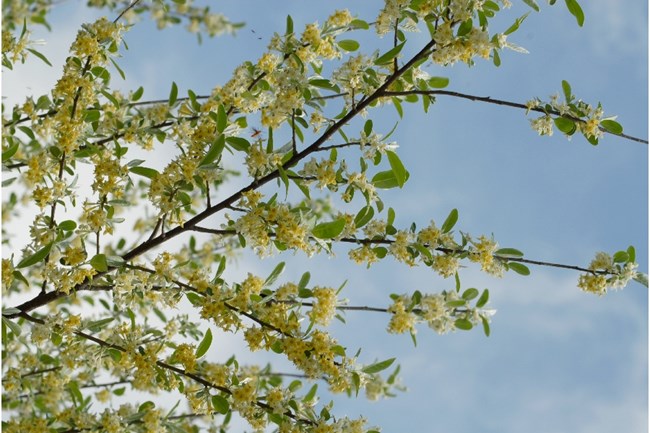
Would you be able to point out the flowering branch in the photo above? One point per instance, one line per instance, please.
(374, 241)
(490, 100)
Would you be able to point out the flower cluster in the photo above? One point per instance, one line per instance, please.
(323, 170)
(483, 253)
(609, 272)
(324, 306)
(572, 115)
(443, 312)
(266, 220)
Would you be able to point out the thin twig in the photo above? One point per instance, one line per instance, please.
(133, 3)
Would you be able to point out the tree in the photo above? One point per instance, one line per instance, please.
(113, 250)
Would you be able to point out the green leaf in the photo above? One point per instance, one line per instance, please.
(565, 125)
(642, 278)
(323, 84)
(486, 326)
(532, 4)
(576, 11)
(510, 252)
(367, 127)
(566, 88)
(36, 257)
(456, 303)
(519, 268)
(91, 116)
(465, 27)
(97, 325)
(470, 294)
(390, 219)
(496, 59)
(386, 179)
(398, 168)
(513, 28)
(304, 280)
(47, 359)
(195, 299)
(612, 126)
(204, 345)
(149, 173)
(378, 366)
(173, 94)
(485, 296)
(56, 338)
(112, 98)
(311, 394)
(220, 404)
(380, 252)
(238, 143)
(631, 252)
(329, 230)
(389, 55)
(11, 151)
(356, 381)
(289, 29)
(67, 225)
(621, 257)
(222, 118)
(348, 45)
(135, 96)
(77, 397)
(438, 82)
(450, 222)
(592, 139)
(115, 354)
(99, 262)
(15, 328)
(119, 70)
(359, 24)
(40, 56)
(28, 131)
(214, 151)
(275, 273)
(364, 216)
(463, 324)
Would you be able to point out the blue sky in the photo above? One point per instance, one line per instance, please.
(557, 359)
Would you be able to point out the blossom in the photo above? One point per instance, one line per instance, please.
(399, 247)
(445, 264)
(483, 253)
(363, 254)
(324, 306)
(543, 125)
(593, 283)
(401, 320)
(339, 18)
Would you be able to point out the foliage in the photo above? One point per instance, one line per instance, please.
(110, 297)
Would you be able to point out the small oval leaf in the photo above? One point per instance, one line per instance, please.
(450, 222)
(204, 345)
(36, 257)
(378, 366)
(519, 268)
(329, 230)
